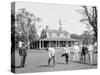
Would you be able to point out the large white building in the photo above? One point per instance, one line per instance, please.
(55, 38)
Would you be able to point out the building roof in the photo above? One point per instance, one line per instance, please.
(56, 31)
(59, 39)
(49, 33)
(46, 35)
(56, 38)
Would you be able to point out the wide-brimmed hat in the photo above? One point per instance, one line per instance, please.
(66, 45)
(76, 43)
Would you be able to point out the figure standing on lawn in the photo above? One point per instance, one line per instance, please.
(66, 53)
(90, 53)
(76, 51)
(51, 52)
(84, 50)
(22, 52)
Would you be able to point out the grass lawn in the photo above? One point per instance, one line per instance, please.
(36, 61)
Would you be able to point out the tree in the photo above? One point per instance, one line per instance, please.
(12, 33)
(75, 36)
(87, 37)
(25, 25)
(90, 18)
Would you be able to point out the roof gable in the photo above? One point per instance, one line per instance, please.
(55, 33)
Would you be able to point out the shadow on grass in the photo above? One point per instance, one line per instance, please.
(61, 63)
(16, 67)
(45, 66)
(85, 63)
(94, 64)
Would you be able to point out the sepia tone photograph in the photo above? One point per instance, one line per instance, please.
(53, 37)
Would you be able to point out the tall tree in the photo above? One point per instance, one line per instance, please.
(25, 25)
(87, 37)
(90, 17)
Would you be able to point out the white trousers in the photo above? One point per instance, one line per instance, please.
(90, 58)
(76, 56)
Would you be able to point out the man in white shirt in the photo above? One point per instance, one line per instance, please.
(51, 52)
(20, 44)
(90, 51)
(76, 50)
(66, 49)
(66, 53)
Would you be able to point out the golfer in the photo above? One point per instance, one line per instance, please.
(22, 53)
(51, 52)
(66, 53)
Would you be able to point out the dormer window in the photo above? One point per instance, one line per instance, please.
(66, 34)
(58, 34)
(50, 34)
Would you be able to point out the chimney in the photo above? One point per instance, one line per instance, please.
(60, 25)
(60, 28)
(47, 27)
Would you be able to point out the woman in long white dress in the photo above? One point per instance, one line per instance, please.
(76, 50)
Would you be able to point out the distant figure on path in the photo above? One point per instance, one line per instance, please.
(51, 52)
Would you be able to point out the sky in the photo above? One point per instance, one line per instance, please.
(50, 14)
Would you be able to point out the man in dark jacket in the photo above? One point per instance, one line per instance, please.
(22, 53)
(83, 53)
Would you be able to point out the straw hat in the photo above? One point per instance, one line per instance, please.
(76, 43)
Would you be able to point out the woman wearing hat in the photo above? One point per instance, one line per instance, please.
(76, 52)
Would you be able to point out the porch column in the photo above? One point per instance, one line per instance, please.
(49, 43)
(37, 45)
(34, 45)
(56, 43)
(40, 44)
